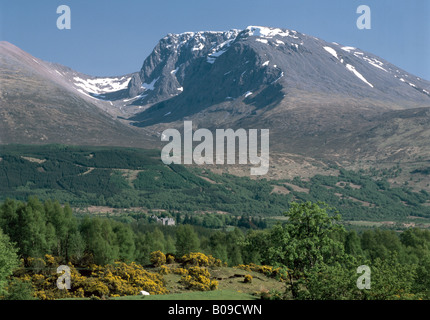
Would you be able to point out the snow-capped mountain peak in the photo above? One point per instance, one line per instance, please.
(266, 32)
(230, 64)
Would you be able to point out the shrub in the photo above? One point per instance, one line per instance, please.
(158, 258)
(269, 271)
(195, 259)
(247, 279)
(201, 260)
(95, 287)
(198, 271)
(164, 270)
(117, 279)
(180, 271)
(269, 295)
(19, 290)
(170, 259)
(130, 279)
(198, 278)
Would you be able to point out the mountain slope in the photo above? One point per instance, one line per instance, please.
(322, 98)
(319, 99)
(38, 104)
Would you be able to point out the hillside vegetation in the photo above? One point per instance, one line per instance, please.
(131, 178)
(310, 256)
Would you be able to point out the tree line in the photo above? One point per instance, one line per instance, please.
(319, 256)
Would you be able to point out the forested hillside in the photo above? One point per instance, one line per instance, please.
(127, 178)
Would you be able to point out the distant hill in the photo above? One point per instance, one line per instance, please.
(39, 105)
(136, 178)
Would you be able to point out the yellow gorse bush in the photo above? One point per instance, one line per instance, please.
(195, 274)
(118, 279)
(266, 270)
(198, 278)
(170, 259)
(130, 279)
(201, 260)
(158, 258)
(180, 271)
(164, 270)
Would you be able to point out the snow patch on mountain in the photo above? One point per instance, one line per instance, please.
(141, 96)
(219, 50)
(86, 94)
(348, 49)
(266, 32)
(280, 76)
(199, 47)
(101, 85)
(262, 41)
(358, 74)
(331, 51)
(150, 86)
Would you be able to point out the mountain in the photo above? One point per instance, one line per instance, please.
(240, 63)
(319, 99)
(42, 102)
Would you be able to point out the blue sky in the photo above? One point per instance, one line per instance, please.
(114, 37)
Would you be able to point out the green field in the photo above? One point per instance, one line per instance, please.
(195, 295)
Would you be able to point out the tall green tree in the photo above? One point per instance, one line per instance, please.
(254, 247)
(422, 278)
(157, 240)
(8, 260)
(234, 241)
(33, 235)
(9, 218)
(391, 280)
(331, 282)
(186, 240)
(352, 243)
(100, 240)
(305, 241)
(125, 240)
